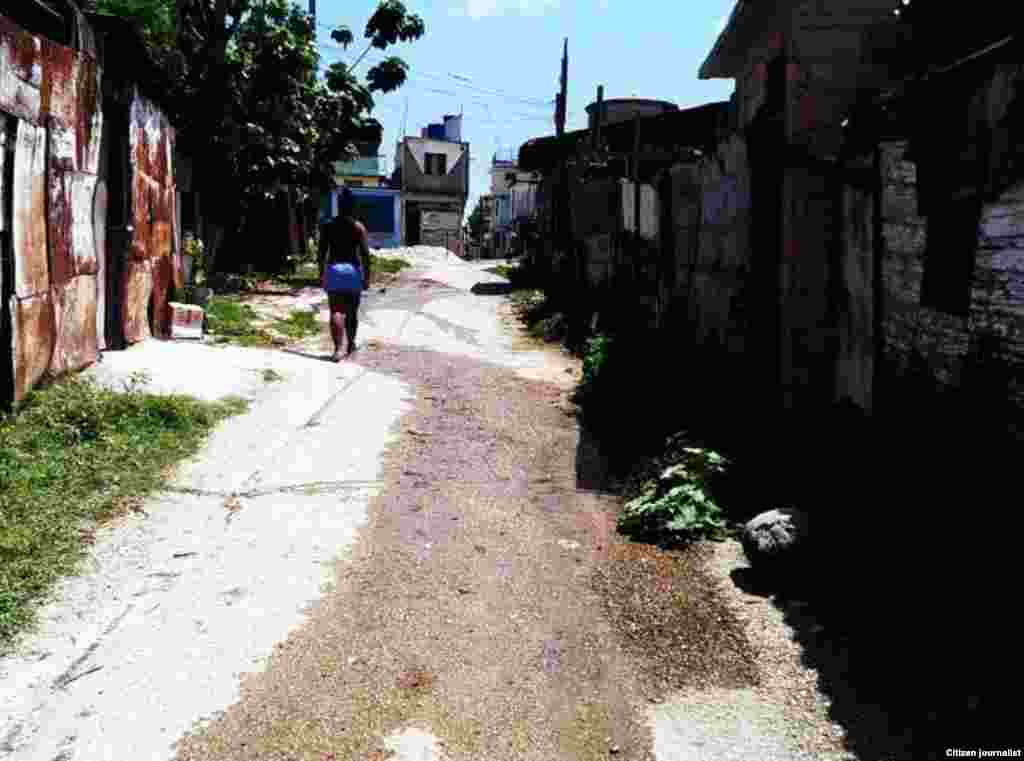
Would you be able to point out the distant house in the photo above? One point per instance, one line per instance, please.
(433, 172)
(87, 193)
(363, 171)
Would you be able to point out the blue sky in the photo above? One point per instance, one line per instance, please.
(498, 62)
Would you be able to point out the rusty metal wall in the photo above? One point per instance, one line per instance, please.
(58, 220)
(151, 272)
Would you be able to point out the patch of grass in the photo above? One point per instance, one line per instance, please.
(270, 375)
(502, 270)
(231, 320)
(73, 455)
(387, 264)
(298, 325)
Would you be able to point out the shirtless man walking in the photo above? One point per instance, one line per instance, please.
(344, 272)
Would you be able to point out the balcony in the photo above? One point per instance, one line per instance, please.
(364, 166)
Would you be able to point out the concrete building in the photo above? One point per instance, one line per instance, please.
(363, 171)
(432, 172)
(514, 192)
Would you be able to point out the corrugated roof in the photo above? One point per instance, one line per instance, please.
(690, 128)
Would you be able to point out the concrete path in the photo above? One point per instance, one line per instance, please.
(391, 557)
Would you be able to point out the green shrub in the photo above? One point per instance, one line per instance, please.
(298, 325)
(594, 380)
(677, 502)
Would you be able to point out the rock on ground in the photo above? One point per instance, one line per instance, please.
(775, 538)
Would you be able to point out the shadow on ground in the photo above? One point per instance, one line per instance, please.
(492, 289)
(902, 607)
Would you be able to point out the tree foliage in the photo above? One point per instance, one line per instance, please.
(244, 92)
(477, 221)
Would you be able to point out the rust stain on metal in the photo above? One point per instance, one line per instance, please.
(163, 280)
(85, 226)
(20, 72)
(59, 219)
(142, 194)
(88, 117)
(58, 81)
(138, 284)
(163, 212)
(31, 266)
(75, 329)
(24, 50)
(33, 341)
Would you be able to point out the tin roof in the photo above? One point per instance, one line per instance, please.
(690, 128)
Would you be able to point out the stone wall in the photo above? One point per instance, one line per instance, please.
(922, 343)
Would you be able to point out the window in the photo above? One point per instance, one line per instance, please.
(436, 164)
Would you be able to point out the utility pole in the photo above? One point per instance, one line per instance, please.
(561, 233)
(598, 118)
(560, 104)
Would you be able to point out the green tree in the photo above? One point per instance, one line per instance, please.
(243, 90)
(477, 221)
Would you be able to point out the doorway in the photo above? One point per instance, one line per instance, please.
(116, 171)
(412, 224)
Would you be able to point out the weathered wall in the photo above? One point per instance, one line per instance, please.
(151, 271)
(707, 250)
(52, 92)
(854, 295)
(57, 226)
(829, 67)
(941, 345)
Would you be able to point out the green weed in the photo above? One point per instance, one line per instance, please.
(231, 321)
(73, 455)
(678, 502)
(298, 325)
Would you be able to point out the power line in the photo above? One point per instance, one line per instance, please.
(462, 81)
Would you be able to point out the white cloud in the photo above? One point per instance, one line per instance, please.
(477, 9)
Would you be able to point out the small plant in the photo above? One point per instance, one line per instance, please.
(193, 246)
(298, 325)
(137, 380)
(503, 270)
(677, 502)
(270, 375)
(595, 363)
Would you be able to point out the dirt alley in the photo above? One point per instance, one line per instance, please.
(480, 604)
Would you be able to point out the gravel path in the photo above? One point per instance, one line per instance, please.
(481, 605)
(489, 605)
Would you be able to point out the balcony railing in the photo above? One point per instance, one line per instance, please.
(364, 166)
